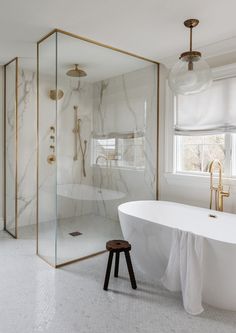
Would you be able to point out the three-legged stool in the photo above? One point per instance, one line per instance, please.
(118, 246)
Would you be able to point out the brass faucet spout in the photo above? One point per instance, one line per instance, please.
(217, 190)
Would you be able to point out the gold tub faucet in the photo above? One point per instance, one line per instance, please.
(217, 189)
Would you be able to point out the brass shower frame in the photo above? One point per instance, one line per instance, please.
(59, 31)
(16, 147)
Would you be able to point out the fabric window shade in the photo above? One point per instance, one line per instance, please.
(210, 112)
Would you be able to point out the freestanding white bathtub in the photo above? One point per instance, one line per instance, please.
(148, 226)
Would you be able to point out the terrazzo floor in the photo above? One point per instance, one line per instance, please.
(95, 231)
(37, 298)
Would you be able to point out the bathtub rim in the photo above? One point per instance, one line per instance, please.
(177, 228)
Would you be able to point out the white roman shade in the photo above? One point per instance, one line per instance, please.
(210, 112)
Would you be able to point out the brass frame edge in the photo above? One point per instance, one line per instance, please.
(9, 62)
(72, 261)
(80, 259)
(46, 36)
(16, 165)
(4, 150)
(13, 236)
(37, 153)
(16, 147)
(158, 132)
(85, 39)
(56, 124)
(45, 260)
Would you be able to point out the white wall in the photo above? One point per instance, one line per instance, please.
(1, 147)
(184, 189)
(127, 104)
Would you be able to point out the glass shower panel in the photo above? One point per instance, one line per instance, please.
(11, 147)
(47, 172)
(26, 165)
(79, 231)
(106, 142)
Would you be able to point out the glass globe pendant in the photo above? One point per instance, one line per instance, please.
(191, 74)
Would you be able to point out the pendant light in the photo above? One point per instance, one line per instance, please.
(191, 74)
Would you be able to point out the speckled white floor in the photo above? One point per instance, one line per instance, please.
(96, 230)
(37, 298)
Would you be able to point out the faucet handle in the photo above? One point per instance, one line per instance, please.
(225, 193)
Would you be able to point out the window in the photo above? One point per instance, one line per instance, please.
(194, 153)
(123, 151)
(204, 127)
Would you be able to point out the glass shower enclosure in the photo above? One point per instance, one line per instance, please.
(97, 129)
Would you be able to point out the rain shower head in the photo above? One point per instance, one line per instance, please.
(76, 72)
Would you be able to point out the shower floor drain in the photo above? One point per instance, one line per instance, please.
(75, 233)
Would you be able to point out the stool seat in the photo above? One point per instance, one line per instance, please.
(118, 245)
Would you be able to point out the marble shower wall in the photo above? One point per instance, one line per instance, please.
(77, 93)
(127, 103)
(26, 185)
(10, 145)
(25, 145)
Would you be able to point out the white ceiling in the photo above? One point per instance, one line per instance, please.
(99, 63)
(152, 28)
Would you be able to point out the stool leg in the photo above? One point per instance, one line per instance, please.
(117, 264)
(130, 269)
(108, 271)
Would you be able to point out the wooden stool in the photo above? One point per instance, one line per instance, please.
(117, 246)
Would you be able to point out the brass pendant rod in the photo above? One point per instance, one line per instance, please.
(191, 38)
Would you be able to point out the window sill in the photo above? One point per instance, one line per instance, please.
(196, 180)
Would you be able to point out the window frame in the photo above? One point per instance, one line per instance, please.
(228, 157)
(109, 164)
(170, 151)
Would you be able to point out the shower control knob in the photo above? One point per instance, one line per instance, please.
(53, 148)
(51, 159)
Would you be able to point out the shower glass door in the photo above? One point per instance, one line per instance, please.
(10, 146)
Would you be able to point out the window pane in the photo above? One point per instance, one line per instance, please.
(121, 152)
(192, 139)
(211, 152)
(214, 139)
(191, 159)
(194, 153)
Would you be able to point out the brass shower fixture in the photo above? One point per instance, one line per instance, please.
(56, 94)
(76, 72)
(51, 159)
